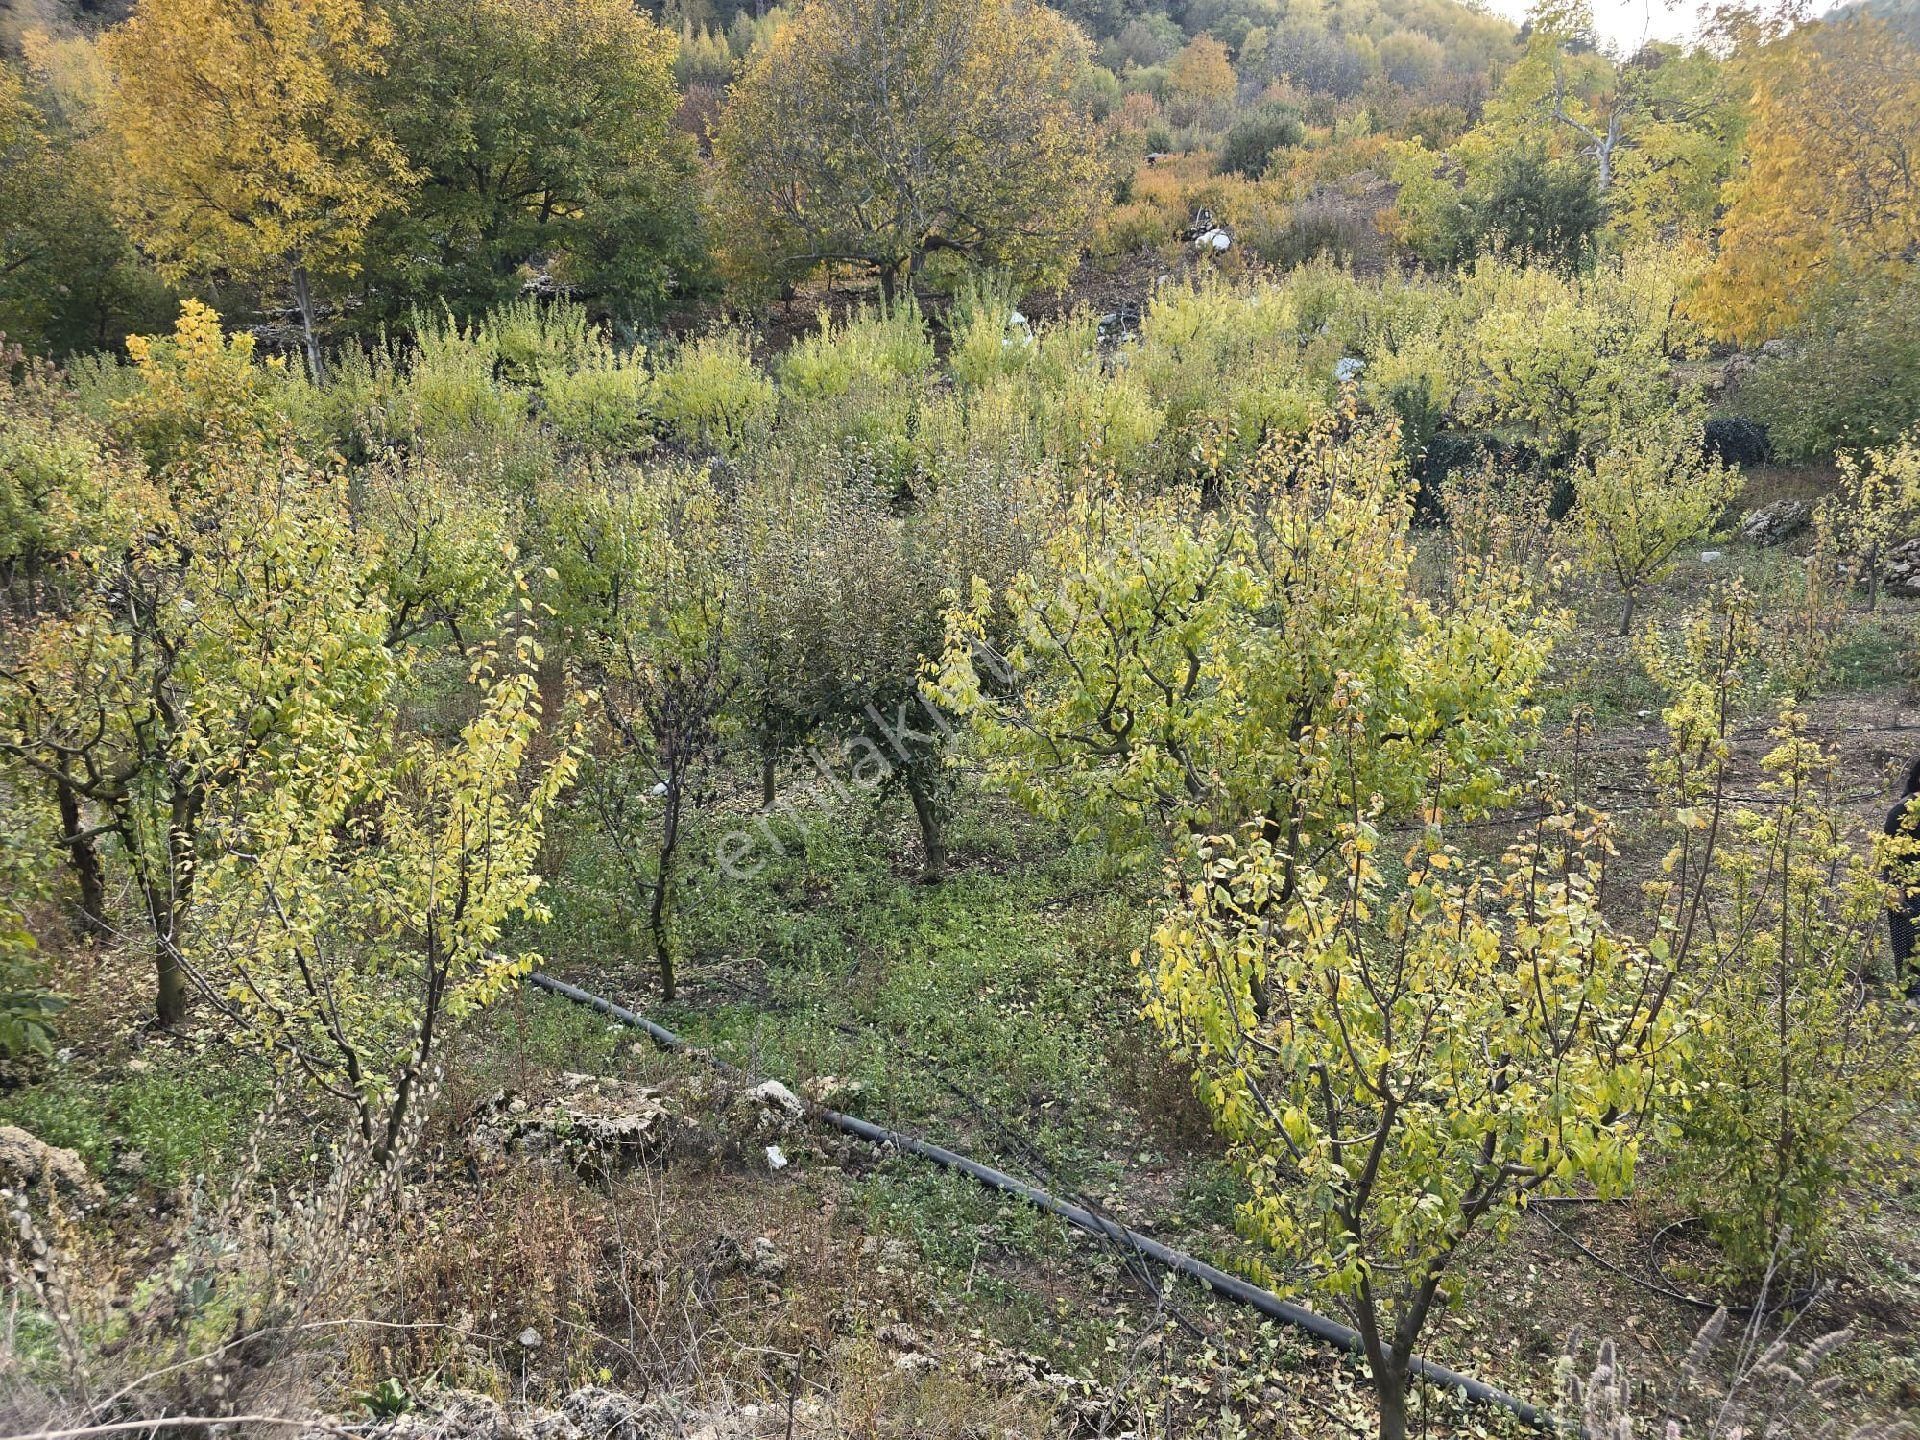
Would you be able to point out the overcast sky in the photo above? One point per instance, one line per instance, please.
(1628, 23)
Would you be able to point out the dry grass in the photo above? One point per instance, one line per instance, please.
(695, 1279)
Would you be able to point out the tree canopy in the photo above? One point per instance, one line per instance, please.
(542, 134)
(1831, 184)
(244, 140)
(879, 132)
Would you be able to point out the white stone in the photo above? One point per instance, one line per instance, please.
(775, 1096)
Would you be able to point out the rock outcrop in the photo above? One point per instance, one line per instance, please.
(1777, 523)
(1901, 568)
(595, 1124)
(27, 1160)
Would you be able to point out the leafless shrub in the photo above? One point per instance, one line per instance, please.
(1743, 1383)
(230, 1320)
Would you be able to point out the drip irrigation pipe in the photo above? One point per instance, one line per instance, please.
(1216, 1280)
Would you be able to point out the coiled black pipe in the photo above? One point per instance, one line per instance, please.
(1219, 1281)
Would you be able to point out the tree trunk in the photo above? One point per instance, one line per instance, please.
(889, 279)
(658, 913)
(168, 910)
(170, 977)
(1391, 1390)
(1626, 612)
(303, 297)
(767, 778)
(1387, 1363)
(84, 859)
(932, 839)
(1604, 152)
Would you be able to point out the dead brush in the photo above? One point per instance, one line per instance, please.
(1732, 1384)
(229, 1323)
(687, 1283)
(663, 1281)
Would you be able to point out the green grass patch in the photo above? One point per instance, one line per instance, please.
(185, 1115)
(1005, 991)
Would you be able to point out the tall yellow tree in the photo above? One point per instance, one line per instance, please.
(1200, 79)
(1831, 182)
(241, 145)
(880, 131)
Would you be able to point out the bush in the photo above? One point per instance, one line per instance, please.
(1251, 141)
(1652, 488)
(532, 339)
(27, 1006)
(713, 397)
(1106, 424)
(602, 403)
(1848, 376)
(1737, 442)
(1538, 209)
(362, 409)
(1322, 226)
(990, 336)
(450, 388)
(877, 344)
(1800, 1046)
(998, 423)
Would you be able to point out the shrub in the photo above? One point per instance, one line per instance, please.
(1196, 342)
(871, 426)
(1567, 358)
(363, 407)
(713, 397)
(195, 387)
(1877, 505)
(1848, 375)
(27, 1005)
(875, 344)
(1766, 914)
(1109, 424)
(1737, 442)
(1252, 139)
(1651, 490)
(601, 403)
(999, 423)
(1464, 1020)
(990, 336)
(1320, 227)
(533, 338)
(1538, 209)
(450, 387)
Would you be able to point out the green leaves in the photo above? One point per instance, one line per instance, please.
(1803, 1045)
(882, 131)
(351, 908)
(1180, 665)
(1652, 489)
(542, 131)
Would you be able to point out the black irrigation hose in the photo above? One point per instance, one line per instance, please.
(1231, 1286)
(1644, 1282)
(1797, 1300)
